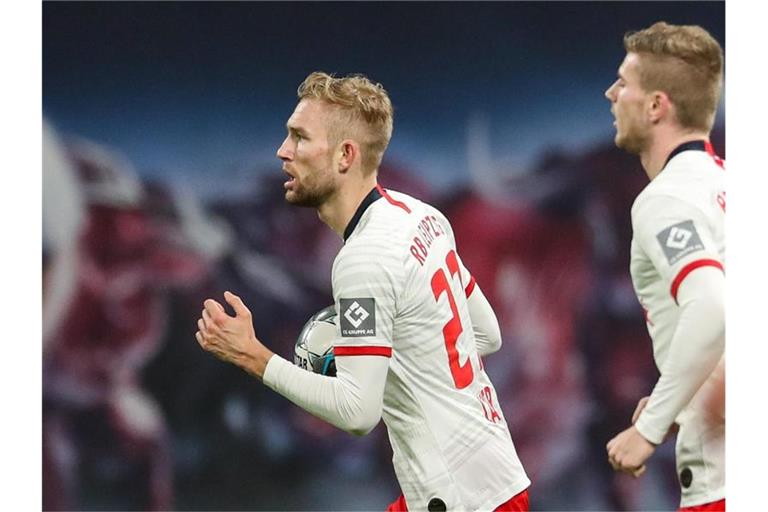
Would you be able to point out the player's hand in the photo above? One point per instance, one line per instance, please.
(229, 338)
(629, 451)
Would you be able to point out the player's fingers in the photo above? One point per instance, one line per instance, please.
(216, 311)
(201, 326)
(237, 304)
(207, 320)
(615, 457)
(199, 338)
(637, 472)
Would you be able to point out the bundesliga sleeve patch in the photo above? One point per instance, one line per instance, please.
(679, 240)
(358, 317)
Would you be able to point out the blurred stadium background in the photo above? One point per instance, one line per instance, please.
(161, 188)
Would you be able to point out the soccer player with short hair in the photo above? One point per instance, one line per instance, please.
(412, 322)
(664, 102)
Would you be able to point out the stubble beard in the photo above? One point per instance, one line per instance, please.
(632, 141)
(311, 194)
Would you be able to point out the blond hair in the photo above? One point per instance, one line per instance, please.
(685, 62)
(363, 110)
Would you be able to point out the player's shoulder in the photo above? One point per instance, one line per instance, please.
(417, 208)
(375, 243)
(370, 260)
(392, 216)
(398, 204)
(689, 180)
(660, 202)
(691, 172)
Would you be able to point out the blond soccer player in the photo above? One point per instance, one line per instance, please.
(664, 102)
(413, 322)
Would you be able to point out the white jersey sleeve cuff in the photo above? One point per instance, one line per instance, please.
(273, 370)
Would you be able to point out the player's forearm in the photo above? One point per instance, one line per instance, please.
(484, 323)
(351, 401)
(696, 349)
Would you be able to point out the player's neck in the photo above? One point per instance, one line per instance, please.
(339, 210)
(663, 144)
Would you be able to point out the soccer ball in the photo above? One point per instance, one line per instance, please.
(314, 346)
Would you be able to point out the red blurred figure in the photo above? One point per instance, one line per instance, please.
(94, 405)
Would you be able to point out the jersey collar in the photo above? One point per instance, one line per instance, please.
(694, 145)
(372, 196)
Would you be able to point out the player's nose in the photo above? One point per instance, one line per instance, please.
(284, 152)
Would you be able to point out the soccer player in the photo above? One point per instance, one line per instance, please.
(412, 322)
(664, 102)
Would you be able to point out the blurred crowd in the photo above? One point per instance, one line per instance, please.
(137, 417)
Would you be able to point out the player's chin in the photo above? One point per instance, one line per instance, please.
(622, 142)
(296, 199)
(291, 196)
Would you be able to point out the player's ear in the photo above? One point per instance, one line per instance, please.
(659, 106)
(349, 152)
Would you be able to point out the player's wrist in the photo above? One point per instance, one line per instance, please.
(256, 362)
(647, 433)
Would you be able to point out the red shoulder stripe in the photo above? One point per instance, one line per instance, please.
(690, 268)
(363, 351)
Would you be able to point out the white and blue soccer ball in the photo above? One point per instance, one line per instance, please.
(314, 346)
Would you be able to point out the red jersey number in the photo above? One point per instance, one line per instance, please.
(462, 374)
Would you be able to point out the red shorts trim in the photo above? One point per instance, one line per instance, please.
(690, 268)
(398, 505)
(517, 503)
(715, 506)
(362, 351)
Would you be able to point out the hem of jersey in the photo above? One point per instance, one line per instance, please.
(702, 499)
(501, 498)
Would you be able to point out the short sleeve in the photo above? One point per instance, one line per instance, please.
(364, 290)
(675, 236)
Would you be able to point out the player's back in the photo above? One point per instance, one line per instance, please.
(449, 437)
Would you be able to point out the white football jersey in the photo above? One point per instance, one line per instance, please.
(678, 225)
(401, 291)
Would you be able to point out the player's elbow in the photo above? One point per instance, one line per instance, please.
(363, 424)
(488, 342)
(494, 342)
(362, 418)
